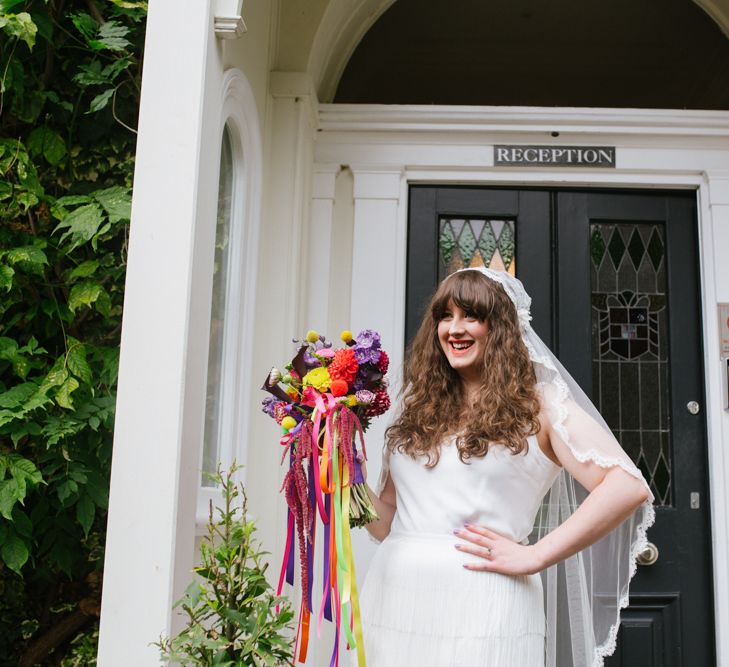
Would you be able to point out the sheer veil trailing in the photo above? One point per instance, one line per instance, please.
(585, 593)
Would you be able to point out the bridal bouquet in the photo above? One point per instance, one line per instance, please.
(324, 400)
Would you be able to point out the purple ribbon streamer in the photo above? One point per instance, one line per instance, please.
(335, 651)
(310, 543)
(358, 476)
(292, 523)
(328, 603)
(290, 561)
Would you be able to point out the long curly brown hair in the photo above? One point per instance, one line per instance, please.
(433, 396)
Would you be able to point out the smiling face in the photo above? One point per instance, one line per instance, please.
(462, 336)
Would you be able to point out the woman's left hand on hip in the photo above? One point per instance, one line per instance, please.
(496, 552)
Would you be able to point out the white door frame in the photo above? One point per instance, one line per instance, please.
(387, 148)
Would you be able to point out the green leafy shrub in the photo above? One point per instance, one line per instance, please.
(230, 608)
(69, 97)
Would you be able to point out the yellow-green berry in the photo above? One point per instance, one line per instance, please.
(288, 423)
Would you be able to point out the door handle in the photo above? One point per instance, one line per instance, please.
(649, 555)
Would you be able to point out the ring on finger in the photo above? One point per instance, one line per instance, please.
(488, 552)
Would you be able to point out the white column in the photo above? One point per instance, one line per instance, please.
(340, 277)
(282, 279)
(282, 306)
(287, 194)
(378, 296)
(160, 404)
(715, 280)
(378, 263)
(321, 248)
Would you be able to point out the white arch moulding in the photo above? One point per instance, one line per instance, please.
(239, 112)
(341, 29)
(718, 10)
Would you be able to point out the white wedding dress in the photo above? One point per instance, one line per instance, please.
(420, 607)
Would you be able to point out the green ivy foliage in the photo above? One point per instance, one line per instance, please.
(69, 94)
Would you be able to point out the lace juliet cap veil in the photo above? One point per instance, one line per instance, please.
(584, 593)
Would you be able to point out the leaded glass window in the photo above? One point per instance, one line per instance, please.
(213, 400)
(464, 243)
(630, 344)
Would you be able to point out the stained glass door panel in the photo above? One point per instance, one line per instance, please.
(630, 383)
(470, 243)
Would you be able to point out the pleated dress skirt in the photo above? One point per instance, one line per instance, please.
(421, 607)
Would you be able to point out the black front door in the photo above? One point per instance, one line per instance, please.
(614, 283)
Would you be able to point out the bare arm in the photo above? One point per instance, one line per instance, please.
(614, 496)
(385, 506)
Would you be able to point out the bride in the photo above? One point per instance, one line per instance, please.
(494, 442)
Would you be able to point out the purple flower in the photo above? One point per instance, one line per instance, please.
(367, 338)
(268, 404)
(309, 359)
(367, 346)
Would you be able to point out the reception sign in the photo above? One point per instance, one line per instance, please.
(555, 156)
